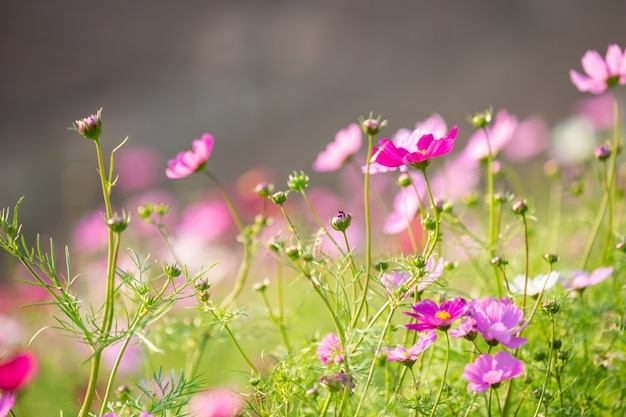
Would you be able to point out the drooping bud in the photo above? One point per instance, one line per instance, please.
(90, 127)
(341, 221)
(404, 180)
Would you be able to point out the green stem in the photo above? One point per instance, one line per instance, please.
(242, 275)
(319, 222)
(443, 377)
(545, 379)
(229, 202)
(234, 340)
(116, 365)
(432, 243)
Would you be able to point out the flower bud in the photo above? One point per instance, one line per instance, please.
(499, 261)
(204, 296)
(262, 286)
(483, 119)
(404, 180)
(122, 392)
(292, 252)
(562, 355)
(118, 223)
(264, 189)
(540, 356)
(162, 209)
(298, 181)
(90, 127)
(202, 284)
(621, 246)
(371, 126)
(381, 266)
(551, 306)
(551, 258)
(144, 211)
(602, 153)
(341, 221)
(279, 197)
(520, 207)
(172, 270)
(429, 223)
(556, 344)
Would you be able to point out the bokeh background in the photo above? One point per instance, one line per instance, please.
(271, 80)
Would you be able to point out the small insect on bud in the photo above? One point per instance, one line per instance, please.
(602, 153)
(520, 207)
(264, 189)
(279, 197)
(90, 127)
(341, 221)
(298, 181)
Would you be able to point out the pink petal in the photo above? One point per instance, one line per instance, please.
(594, 65)
(614, 59)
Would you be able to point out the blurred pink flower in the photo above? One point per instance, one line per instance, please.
(132, 360)
(7, 401)
(91, 232)
(347, 142)
(425, 148)
(396, 280)
(405, 205)
(581, 279)
(458, 176)
(601, 73)
(188, 162)
(330, 350)
(17, 371)
(137, 168)
(206, 220)
(409, 356)
(499, 135)
(489, 371)
(529, 139)
(219, 402)
(598, 109)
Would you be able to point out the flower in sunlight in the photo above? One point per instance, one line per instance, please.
(498, 321)
(188, 162)
(535, 284)
(431, 316)
(347, 142)
(330, 350)
(579, 280)
(601, 73)
(409, 356)
(489, 371)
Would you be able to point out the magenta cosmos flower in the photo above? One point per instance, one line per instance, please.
(426, 147)
(497, 321)
(579, 280)
(330, 349)
(188, 162)
(430, 316)
(347, 142)
(601, 73)
(409, 356)
(489, 371)
(17, 371)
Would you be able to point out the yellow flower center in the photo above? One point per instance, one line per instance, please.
(443, 315)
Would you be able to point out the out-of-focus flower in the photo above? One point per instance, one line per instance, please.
(144, 414)
(598, 109)
(499, 135)
(530, 138)
(497, 321)
(581, 279)
(347, 142)
(10, 332)
(430, 316)
(330, 350)
(138, 168)
(206, 219)
(91, 232)
(409, 356)
(131, 361)
(397, 280)
(16, 372)
(405, 206)
(188, 162)
(7, 401)
(466, 329)
(489, 371)
(572, 141)
(425, 148)
(219, 402)
(338, 381)
(534, 285)
(601, 73)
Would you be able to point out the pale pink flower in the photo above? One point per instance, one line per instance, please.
(347, 142)
(579, 280)
(91, 233)
(330, 350)
(489, 371)
(137, 168)
(409, 356)
(598, 109)
(132, 360)
(206, 219)
(396, 280)
(499, 135)
(530, 138)
(188, 162)
(601, 73)
(219, 402)
(405, 205)
(498, 321)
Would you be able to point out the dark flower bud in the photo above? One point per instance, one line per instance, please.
(171, 270)
(292, 252)
(279, 198)
(381, 266)
(527, 380)
(602, 153)
(264, 189)
(481, 120)
(276, 246)
(118, 223)
(520, 207)
(499, 261)
(341, 221)
(562, 355)
(204, 296)
(551, 258)
(90, 127)
(404, 180)
(540, 356)
(298, 181)
(556, 344)
(551, 306)
(307, 257)
(202, 284)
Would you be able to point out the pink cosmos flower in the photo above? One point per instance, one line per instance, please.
(499, 134)
(330, 350)
(430, 316)
(405, 205)
(347, 142)
(601, 73)
(497, 321)
(138, 168)
(530, 138)
(7, 401)
(219, 402)
(17, 371)
(579, 280)
(426, 147)
(489, 371)
(188, 162)
(409, 356)
(466, 329)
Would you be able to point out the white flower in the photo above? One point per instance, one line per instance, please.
(535, 284)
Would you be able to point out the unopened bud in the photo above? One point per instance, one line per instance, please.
(171, 270)
(482, 120)
(298, 181)
(264, 189)
(520, 207)
(404, 180)
(341, 221)
(118, 223)
(551, 258)
(279, 198)
(90, 127)
(602, 153)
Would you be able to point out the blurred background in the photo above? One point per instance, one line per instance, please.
(271, 80)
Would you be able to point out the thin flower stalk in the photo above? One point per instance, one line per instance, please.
(443, 377)
(235, 342)
(544, 385)
(319, 222)
(432, 242)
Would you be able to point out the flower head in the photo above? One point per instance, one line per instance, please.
(188, 162)
(535, 285)
(330, 350)
(430, 316)
(466, 329)
(579, 280)
(347, 142)
(423, 149)
(497, 136)
(409, 356)
(489, 371)
(497, 321)
(601, 73)
(7, 401)
(17, 371)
